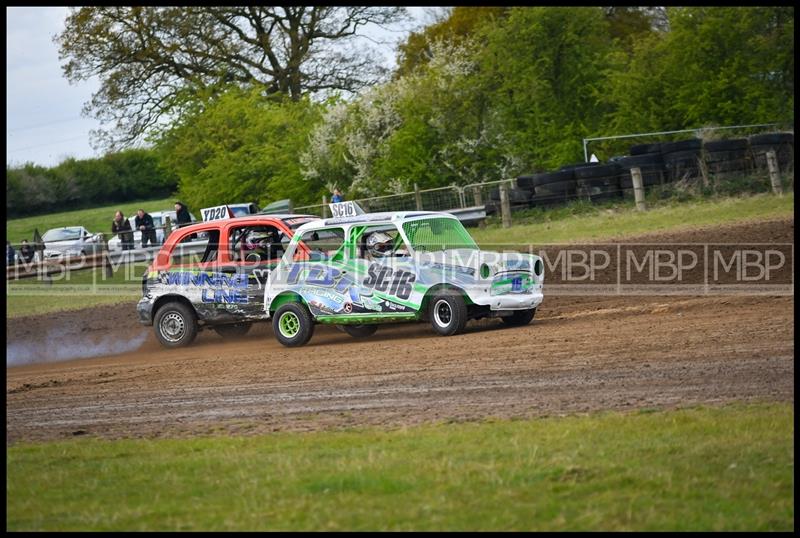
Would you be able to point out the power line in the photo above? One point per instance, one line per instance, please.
(37, 126)
(47, 144)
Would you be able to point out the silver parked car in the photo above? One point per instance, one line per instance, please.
(70, 241)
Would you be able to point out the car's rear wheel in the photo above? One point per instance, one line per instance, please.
(233, 330)
(293, 325)
(519, 318)
(448, 313)
(175, 325)
(359, 331)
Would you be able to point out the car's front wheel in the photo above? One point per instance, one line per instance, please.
(448, 313)
(175, 325)
(359, 331)
(293, 325)
(233, 330)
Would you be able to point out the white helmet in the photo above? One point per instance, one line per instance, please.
(379, 244)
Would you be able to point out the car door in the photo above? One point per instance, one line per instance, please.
(252, 250)
(385, 274)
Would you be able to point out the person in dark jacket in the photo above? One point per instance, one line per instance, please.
(120, 225)
(144, 223)
(26, 251)
(11, 254)
(182, 217)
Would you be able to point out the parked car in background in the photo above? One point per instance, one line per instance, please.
(70, 241)
(159, 220)
(228, 211)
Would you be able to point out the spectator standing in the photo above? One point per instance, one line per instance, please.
(11, 254)
(144, 222)
(26, 251)
(337, 196)
(120, 225)
(182, 217)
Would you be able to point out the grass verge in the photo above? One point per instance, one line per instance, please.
(725, 468)
(582, 221)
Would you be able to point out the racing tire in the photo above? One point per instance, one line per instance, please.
(519, 318)
(359, 331)
(448, 313)
(233, 330)
(293, 325)
(175, 325)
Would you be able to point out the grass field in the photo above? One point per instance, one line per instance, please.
(96, 220)
(577, 222)
(711, 469)
(581, 222)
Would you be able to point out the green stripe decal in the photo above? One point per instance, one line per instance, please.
(364, 318)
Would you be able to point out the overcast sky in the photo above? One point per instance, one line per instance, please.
(44, 124)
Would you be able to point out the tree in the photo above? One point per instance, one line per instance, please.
(716, 65)
(461, 23)
(242, 147)
(543, 69)
(153, 61)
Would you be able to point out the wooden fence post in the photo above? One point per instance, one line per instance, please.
(774, 172)
(108, 270)
(167, 227)
(324, 207)
(505, 205)
(476, 191)
(418, 197)
(638, 189)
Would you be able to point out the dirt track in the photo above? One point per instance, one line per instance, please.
(578, 355)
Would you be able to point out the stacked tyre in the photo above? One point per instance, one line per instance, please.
(599, 182)
(650, 164)
(554, 187)
(727, 156)
(518, 199)
(781, 143)
(682, 159)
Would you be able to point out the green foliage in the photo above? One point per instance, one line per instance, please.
(462, 23)
(716, 66)
(242, 147)
(132, 174)
(701, 469)
(544, 69)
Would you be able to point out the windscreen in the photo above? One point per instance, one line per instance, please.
(62, 234)
(438, 233)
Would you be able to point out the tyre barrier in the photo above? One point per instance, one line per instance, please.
(727, 156)
(682, 165)
(650, 164)
(659, 163)
(781, 143)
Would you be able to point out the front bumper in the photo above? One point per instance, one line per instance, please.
(520, 301)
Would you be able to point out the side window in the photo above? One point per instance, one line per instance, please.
(188, 252)
(323, 244)
(256, 243)
(379, 242)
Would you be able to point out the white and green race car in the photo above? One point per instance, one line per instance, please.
(361, 270)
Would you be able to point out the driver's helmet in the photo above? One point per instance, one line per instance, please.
(379, 244)
(258, 240)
